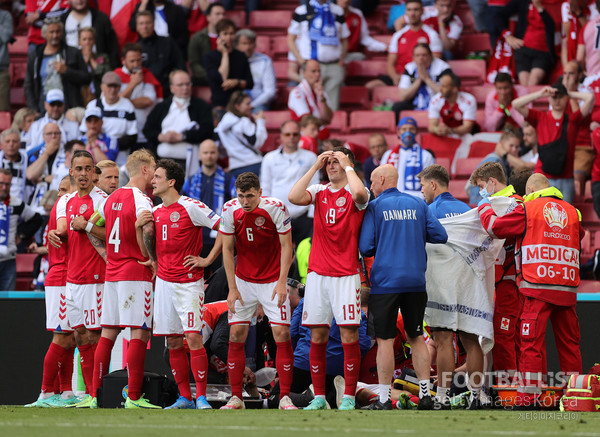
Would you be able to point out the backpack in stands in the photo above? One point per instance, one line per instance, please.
(158, 389)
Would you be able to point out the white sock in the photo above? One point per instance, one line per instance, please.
(46, 395)
(442, 393)
(67, 394)
(474, 393)
(424, 388)
(384, 392)
(348, 396)
(320, 396)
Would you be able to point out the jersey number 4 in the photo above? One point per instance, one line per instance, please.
(114, 237)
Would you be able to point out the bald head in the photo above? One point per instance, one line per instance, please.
(208, 154)
(536, 182)
(311, 71)
(383, 178)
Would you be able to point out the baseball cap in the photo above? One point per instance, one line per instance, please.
(55, 95)
(111, 78)
(92, 112)
(407, 120)
(561, 90)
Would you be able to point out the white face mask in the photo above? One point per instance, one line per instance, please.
(181, 101)
(484, 193)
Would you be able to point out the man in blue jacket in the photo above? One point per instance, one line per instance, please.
(395, 229)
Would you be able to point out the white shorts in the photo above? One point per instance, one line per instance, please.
(84, 305)
(178, 307)
(127, 304)
(57, 319)
(327, 297)
(252, 294)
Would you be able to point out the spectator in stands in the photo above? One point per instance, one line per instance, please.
(118, 115)
(574, 14)
(377, 147)
(178, 124)
(100, 145)
(54, 107)
(35, 14)
(309, 97)
(499, 113)
(261, 66)
(12, 210)
(97, 63)
(62, 170)
(228, 69)
(13, 158)
(408, 157)
(557, 133)
(530, 144)
(323, 38)
(452, 112)
(242, 134)
(280, 171)
(213, 186)
(160, 54)
(194, 12)
(359, 33)
(309, 133)
(250, 5)
(203, 42)
(420, 80)
(587, 49)
(402, 43)
(534, 54)
(80, 16)
(139, 85)
(441, 18)
(22, 121)
(169, 21)
(54, 65)
(6, 34)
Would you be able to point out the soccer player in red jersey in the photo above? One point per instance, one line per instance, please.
(85, 265)
(127, 298)
(179, 304)
(259, 228)
(333, 281)
(59, 358)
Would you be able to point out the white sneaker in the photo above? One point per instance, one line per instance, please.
(340, 386)
(285, 403)
(234, 403)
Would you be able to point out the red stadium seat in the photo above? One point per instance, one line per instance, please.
(457, 189)
(202, 92)
(359, 72)
(442, 147)
(383, 93)
(476, 42)
(281, 72)
(589, 287)
(480, 149)
(25, 264)
(470, 71)
(18, 49)
(372, 121)
(270, 23)
(465, 167)
(17, 97)
(18, 70)
(281, 98)
(273, 141)
(377, 22)
(5, 120)
(480, 118)
(354, 98)
(263, 45)
(466, 16)
(273, 120)
(444, 162)
(339, 122)
(238, 18)
(480, 93)
(422, 118)
(360, 139)
(588, 215)
(280, 48)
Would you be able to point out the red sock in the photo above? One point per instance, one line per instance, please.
(66, 370)
(351, 367)
(236, 363)
(199, 362)
(56, 389)
(51, 360)
(318, 366)
(181, 371)
(285, 365)
(101, 362)
(136, 355)
(86, 353)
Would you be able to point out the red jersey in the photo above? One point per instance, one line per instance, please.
(452, 115)
(179, 234)
(548, 130)
(120, 211)
(596, 165)
(337, 221)
(85, 265)
(57, 258)
(354, 23)
(404, 40)
(257, 238)
(453, 26)
(309, 143)
(535, 35)
(210, 317)
(46, 8)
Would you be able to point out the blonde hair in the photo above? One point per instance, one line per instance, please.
(137, 159)
(20, 117)
(106, 163)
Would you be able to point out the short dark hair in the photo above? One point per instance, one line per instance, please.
(97, 170)
(423, 45)
(346, 152)
(6, 171)
(81, 154)
(518, 179)
(413, 1)
(453, 77)
(224, 24)
(247, 181)
(144, 14)
(502, 78)
(69, 144)
(173, 171)
(212, 6)
(488, 170)
(131, 47)
(435, 172)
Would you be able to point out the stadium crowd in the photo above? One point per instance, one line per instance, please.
(149, 157)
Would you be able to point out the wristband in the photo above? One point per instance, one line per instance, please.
(88, 227)
(349, 168)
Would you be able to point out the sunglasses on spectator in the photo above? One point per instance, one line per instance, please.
(291, 134)
(56, 104)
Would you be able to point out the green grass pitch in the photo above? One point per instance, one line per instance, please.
(19, 421)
